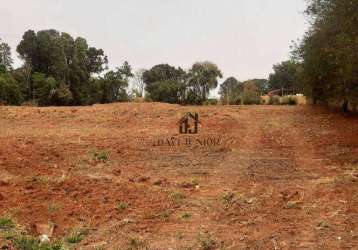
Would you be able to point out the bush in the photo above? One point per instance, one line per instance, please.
(26, 242)
(10, 91)
(292, 100)
(251, 99)
(31, 103)
(288, 100)
(251, 94)
(211, 102)
(274, 100)
(284, 100)
(6, 223)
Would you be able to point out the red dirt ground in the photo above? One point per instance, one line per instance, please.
(283, 177)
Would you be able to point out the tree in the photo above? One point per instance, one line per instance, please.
(5, 57)
(167, 79)
(169, 91)
(285, 77)
(328, 52)
(114, 84)
(10, 92)
(71, 62)
(251, 94)
(203, 77)
(230, 91)
(261, 84)
(138, 82)
(43, 88)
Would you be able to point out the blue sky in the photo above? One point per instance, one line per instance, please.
(243, 37)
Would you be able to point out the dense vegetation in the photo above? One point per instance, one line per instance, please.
(328, 53)
(61, 70)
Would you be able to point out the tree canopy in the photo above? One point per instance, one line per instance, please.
(328, 52)
(285, 77)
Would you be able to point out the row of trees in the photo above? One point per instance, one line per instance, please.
(59, 70)
(248, 92)
(166, 83)
(324, 64)
(328, 53)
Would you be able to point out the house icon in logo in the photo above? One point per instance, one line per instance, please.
(189, 124)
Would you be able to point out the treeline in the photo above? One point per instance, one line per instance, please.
(323, 65)
(59, 70)
(328, 53)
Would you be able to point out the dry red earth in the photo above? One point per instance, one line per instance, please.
(283, 177)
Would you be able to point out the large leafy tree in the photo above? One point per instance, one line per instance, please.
(114, 84)
(203, 77)
(70, 62)
(165, 83)
(261, 84)
(10, 91)
(230, 91)
(329, 51)
(138, 82)
(285, 77)
(5, 57)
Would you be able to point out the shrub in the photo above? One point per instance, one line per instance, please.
(6, 223)
(76, 236)
(10, 91)
(265, 99)
(274, 100)
(292, 100)
(284, 100)
(31, 103)
(206, 242)
(100, 155)
(251, 94)
(251, 100)
(211, 102)
(121, 206)
(25, 242)
(288, 100)
(186, 216)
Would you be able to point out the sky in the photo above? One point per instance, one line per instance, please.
(243, 37)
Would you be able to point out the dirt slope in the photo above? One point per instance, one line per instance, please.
(282, 177)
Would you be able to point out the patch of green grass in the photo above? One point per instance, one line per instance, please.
(26, 242)
(186, 216)
(41, 179)
(177, 196)
(100, 155)
(179, 236)
(135, 244)
(190, 184)
(6, 223)
(76, 236)
(293, 205)
(206, 242)
(230, 197)
(121, 206)
(52, 208)
(165, 215)
(323, 225)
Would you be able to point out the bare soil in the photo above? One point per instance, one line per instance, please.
(282, 177)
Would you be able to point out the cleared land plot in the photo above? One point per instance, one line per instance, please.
(283, 177)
